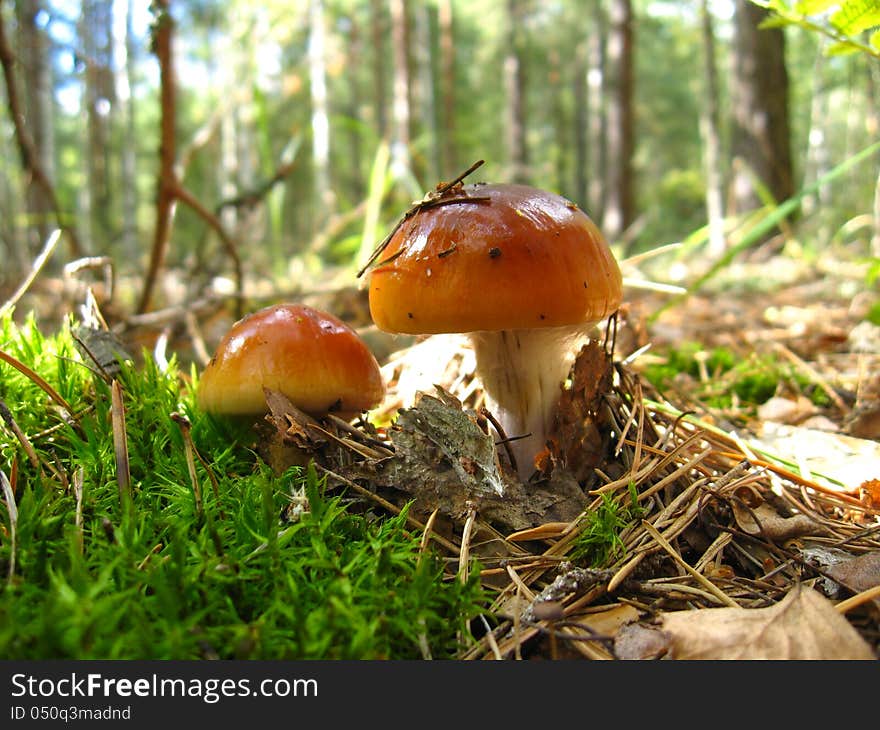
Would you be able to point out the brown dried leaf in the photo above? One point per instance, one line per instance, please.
(804, 625)
(577, 440)
(859, 573)
(444, 460)
(764, 521)
(869, 493)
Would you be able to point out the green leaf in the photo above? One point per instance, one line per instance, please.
(856, 16)
(875, 40)
(814, 7)
(842, 48)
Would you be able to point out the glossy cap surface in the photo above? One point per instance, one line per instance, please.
(503, 257)
(314, 358)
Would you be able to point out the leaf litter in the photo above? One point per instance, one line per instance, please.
(724, 546)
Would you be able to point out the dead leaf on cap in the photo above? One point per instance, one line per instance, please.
(764, 521)
(803, 625)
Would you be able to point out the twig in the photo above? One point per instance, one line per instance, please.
(12, 508)
(38, 264)
(162, 44)
(705, 582)
(120, 444)
(184, 424)
(44, 386)
(169, 187)
(432, 199)
(463, 559)
(28, 447)
(857, 600)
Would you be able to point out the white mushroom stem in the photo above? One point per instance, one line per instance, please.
(522, 372)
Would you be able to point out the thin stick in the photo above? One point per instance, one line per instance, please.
(431, 199)
(7, 417)
(78, 516)
(120, 444)
(12, 508)
(857, 600)
(463, 559)
(36, 267)
(44, 386)
(705, 582)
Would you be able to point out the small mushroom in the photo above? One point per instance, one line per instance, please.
(527, 276)
(312, 357)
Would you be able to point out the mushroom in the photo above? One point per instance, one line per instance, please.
(525, 272)
(312, 357)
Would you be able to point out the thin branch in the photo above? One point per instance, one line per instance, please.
(165, 200)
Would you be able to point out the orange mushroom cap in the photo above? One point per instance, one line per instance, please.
(312, 357)
(509, 257)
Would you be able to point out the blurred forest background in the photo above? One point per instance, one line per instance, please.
(181, 152)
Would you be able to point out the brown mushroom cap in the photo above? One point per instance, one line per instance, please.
(312, 357)
(521, 258)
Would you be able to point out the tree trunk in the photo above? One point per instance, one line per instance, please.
(323, 190)
(449, 163)
(711, 133)
(515, 85)
(36, 85)
(761, 137)
(400, 116)
(595, 104)
(582, 157)
(128, 170)
(620, 198)
(100, 108)
(378, 31)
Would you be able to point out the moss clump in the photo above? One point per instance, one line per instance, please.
(181, 570)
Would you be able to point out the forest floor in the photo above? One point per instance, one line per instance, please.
(756, 507)
(745, 494)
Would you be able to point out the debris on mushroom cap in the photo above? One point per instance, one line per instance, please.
(493, 257)
(312, 357)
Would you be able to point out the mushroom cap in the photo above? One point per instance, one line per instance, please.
(511, 257)
(312, 357)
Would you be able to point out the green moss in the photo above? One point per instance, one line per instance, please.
(599, 542)
(732, 380)
(162, 576)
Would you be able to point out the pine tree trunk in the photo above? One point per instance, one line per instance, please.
(100, 107)
(598, 121)
(400, 110)
(711, 133)
(128, 169)
(378, 31)
(36, 85)
(620, 197)
(761, 138)
(323, 190)
(449, 162)
(514, 85)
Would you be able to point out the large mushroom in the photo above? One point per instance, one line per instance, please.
(524, 271)
(312, 357)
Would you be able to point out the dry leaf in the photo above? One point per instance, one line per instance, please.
(786, 410)
(869, 493)
(578, 439)
(859, 573)
(764, 521)
(803, 625)
(444, 460)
